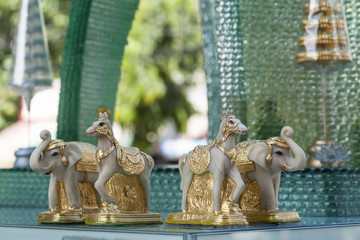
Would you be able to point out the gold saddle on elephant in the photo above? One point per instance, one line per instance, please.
(130, 160)
(200, 159)
(88, 161)
(243, 163)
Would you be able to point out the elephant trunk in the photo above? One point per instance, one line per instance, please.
(300, 158)
(35, 156)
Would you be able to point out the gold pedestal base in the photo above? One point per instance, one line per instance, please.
(222, 219)
(67, 216)
(101, 218)
(272, 216)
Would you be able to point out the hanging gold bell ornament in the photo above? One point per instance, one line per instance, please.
(324, 46)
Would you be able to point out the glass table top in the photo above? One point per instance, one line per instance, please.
(22, 221)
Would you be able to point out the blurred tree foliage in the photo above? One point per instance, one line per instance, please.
(163, 53)
(56, 18)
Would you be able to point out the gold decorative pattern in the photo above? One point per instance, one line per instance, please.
(243, 163)
(88, 195)
(324, 25)
(200, 159)
(323, 56)
(222, 219)
(130, 160)
(200, 194)
(88, 161)
(122, 218)
(324, 7)
(69, 216)
(56, 143)
(250, 197)
(329, 41)
(128, 193)
(62, 198)
(277, 141)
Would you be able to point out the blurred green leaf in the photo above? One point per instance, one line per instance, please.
(163, 52)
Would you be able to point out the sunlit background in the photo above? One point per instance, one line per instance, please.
(161, 102)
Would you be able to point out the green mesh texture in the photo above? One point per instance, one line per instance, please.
(165, 193)
(277, 91)
(23, 188)
(71, 67)
(223, 61)
(99, 48)
(317, 192)
(321, 192)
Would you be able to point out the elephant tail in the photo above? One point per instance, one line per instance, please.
(182, 162)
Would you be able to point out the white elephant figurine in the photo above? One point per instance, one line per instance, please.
(123, 181)
(263, 162)
(72, 166)
(203, 171)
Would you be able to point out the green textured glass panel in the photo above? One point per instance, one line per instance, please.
(275, 89)
(23, 188)
(223, 61)
(313, 192)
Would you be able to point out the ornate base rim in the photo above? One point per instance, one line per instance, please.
(208, 219)
(272, 216)
(101, 218)
(61, 217)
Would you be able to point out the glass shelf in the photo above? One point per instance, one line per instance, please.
(19, 223)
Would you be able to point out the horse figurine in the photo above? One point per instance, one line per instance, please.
(218, 158)
(127, 164)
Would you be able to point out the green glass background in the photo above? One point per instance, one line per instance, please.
(253, 71)
(315, 192)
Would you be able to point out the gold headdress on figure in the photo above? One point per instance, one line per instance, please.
(277, 141)
(57, 143)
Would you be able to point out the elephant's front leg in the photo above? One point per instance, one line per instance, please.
(276, 182)
(186, 180)
(53, 195)
(267, 192)
(218, 182)
(72, 190)
(144, 179)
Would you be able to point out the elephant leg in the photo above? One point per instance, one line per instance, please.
(72, 192)
(53, 194)
(267, 192)
(99, 185)
(235, 176)
(144, 179)
(186, 180)
(218, 182)
(276, 182)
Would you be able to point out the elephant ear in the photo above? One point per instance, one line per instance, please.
(73, 153)
(258, 154)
